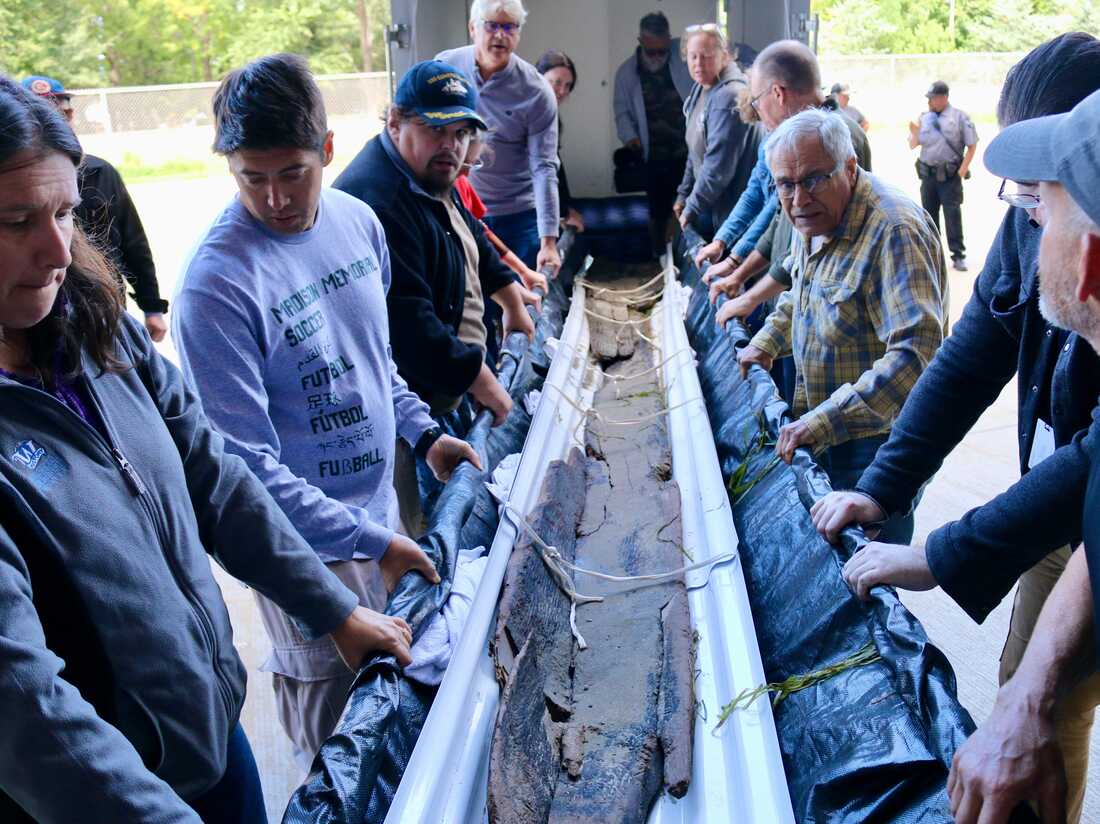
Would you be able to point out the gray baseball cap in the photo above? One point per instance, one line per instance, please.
(1062, 148)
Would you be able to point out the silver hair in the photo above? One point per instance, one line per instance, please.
(828, 126)
(483, 9)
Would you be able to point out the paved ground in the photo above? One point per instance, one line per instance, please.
(175, 213)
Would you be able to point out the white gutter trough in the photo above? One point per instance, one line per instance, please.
(446, 781)
(738, 772)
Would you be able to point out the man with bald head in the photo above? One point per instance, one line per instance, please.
(867, 308)
(784, 81)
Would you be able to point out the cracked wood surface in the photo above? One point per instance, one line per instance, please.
(593, 736)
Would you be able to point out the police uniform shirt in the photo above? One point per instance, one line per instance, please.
(945, 136)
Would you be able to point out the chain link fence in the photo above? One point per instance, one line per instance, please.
(145, 108)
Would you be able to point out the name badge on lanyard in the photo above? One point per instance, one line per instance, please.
(1042, 447)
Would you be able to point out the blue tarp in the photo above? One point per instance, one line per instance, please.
(875, 743)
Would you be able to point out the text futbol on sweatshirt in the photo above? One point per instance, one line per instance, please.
(286, 339)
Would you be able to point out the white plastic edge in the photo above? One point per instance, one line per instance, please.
(446, 779)
(738, 771)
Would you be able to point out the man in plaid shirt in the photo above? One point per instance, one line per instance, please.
(868, 306)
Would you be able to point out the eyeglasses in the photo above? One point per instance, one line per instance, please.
(655, 52)
(496, 27)
(1024, 200)
(754, 103)
(809, 184)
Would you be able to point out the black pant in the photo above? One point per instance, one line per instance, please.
(663, 177)
(949, 195)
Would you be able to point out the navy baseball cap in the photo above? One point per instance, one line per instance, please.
(937, 88)
(45, 86)
(439, 93)
(1061, 148)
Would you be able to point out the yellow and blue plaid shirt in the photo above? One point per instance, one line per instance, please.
(864, 316)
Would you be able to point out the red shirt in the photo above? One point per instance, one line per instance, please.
(470, 198)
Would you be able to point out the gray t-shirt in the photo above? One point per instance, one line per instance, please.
(696, 134)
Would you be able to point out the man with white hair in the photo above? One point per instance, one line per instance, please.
(520, 185)
(868, 306)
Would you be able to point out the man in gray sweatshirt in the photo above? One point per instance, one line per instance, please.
(520, 185)
(281, 325)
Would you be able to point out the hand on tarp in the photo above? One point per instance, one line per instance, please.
(740, 307)
(532, 299)
(710, 253)
(1012, 758)
(791, 436)
(892, 565)
(533, 280)
(447, 453)
(749, 355)
(489, 394)
(401, 556)
(548, 260)
(518, 319)
(721, 270)
(838, 510)
(366, 632)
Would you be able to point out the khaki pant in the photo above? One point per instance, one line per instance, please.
(1075, 713)
(311, 680)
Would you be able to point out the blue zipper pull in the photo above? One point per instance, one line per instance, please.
(128, 471)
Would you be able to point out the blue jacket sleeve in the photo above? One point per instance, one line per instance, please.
(760, 224)
(748, 205)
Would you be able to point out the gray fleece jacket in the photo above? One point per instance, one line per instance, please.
(730, 154)
(118, 679)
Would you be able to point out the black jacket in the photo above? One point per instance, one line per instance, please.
(428, 266)
(1001, 333)
(108, 216)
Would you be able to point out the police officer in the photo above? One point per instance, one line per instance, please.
(947, 141)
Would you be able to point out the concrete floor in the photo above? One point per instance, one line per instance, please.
(175, 213)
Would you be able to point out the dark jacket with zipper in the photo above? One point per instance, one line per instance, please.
(1001, 333)
(118, 679)
(428, 266)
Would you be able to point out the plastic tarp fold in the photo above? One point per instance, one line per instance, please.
(356, 773)
(873, 743)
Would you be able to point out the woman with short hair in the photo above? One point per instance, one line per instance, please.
(721, 147)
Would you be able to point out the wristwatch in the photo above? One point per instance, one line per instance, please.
(426, 441)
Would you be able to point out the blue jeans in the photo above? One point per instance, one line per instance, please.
(238, 797)
(520, 233)
(844, 464)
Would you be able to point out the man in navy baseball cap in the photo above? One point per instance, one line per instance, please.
(48, 87)
(439, 94)
(1054, 165)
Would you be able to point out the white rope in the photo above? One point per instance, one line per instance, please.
(619, 378)
(599, 290)
(557, 566)
(615, 321)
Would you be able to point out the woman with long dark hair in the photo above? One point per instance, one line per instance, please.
(561, 73)
(119, 684)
